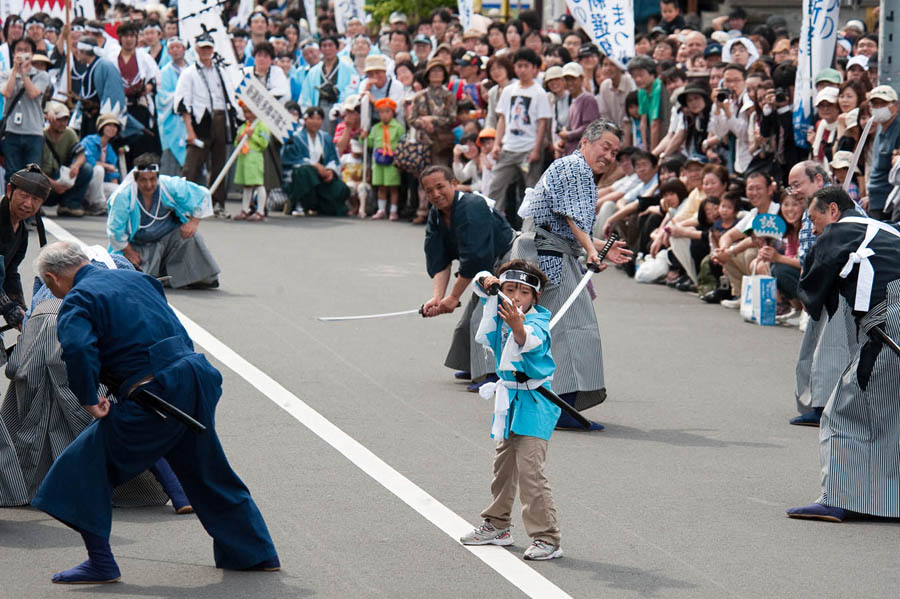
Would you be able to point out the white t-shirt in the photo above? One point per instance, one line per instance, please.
(747, 222)
(521, 108)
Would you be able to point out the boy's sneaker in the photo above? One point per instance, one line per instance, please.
(487, 534)
(541, 550)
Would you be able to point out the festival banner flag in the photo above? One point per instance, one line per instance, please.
(311, 17)
(344, 10)
(818, 36)
(610, 23)
(54, 8)
(466, 8)
(270, 111)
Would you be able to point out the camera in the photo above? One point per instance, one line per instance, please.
(781, 96)
(722, 94)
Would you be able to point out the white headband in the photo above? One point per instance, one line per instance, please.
(520, 276)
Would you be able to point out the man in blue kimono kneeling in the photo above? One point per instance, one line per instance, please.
(117, 322)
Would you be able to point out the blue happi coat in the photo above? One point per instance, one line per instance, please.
(172, 133)
(118, 322)
(529, 413)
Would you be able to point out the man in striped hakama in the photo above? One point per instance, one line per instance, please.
(829, 342)
(857, 258)
(562, 206)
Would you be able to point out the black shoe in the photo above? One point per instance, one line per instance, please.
(716, 296)
(686, 284)
(214, 284)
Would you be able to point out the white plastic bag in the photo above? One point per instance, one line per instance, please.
(758, 299)
(653, 268)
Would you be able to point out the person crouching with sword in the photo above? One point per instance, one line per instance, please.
(517, 332)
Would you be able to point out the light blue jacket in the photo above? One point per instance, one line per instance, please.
(172, 134)
(310, 94)
(529, 413)
(296, 152)
(185, 198)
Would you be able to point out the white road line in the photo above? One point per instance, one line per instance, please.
(510, 567)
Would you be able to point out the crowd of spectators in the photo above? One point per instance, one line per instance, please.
(706, 113)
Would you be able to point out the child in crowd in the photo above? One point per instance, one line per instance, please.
(351, 172)
(485, 145)
(467, 164)
(518, 335)
(712, 286)
(384, 137)
(633, 135)
(249, 168)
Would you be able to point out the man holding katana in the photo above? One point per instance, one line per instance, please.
(116, 326)
(562, 206)
(858, 259)
(461, 226)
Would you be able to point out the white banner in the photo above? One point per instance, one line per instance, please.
(610, 23)
(311, 18)
(344, 10)
(818, 36)
(198, 16)
(270, 111)
(54, 8)
(465, 13)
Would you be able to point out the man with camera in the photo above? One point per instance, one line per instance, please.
(731, 114)
(204, 98)
(777, 120)
(22, 128)
(327, 83)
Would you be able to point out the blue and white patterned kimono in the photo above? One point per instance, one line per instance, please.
(172, 134)
(517, 407)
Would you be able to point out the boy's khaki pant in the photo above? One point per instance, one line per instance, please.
(520, 461)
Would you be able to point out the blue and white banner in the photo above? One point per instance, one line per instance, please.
(818, 36)
(466, 9)
(610, 23)
(344, 10)
(270, 111)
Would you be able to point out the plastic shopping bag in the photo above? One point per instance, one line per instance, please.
(758, 299)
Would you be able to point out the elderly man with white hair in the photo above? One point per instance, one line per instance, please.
(116, 326)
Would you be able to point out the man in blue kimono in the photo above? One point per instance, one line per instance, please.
(101, 90)
(115, 325)
(461, 226)
(172, 133)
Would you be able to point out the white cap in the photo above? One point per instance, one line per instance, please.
(720, 36)
(883, 92)
(842, 159)
(860, 60)
(56, 110)
(827, 94)
(554, 72)
(397, 17)
(855, 24)
(573, 69)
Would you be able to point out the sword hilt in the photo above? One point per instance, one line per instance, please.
(613, 238)
(492, 290)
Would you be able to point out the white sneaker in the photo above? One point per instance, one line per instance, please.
(804, 321)
(298, 212)
(487, 534)
(541, 550)
(731, 304)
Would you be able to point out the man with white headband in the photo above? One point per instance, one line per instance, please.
(517, 332)
(154, 45)
(107, 46)
(101, 89)
(153, 222)
(140, 78)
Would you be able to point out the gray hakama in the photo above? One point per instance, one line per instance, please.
(187, 261)
(42, 417)
(464, 353)
(860, 429)
(577, 348)
(828, 346)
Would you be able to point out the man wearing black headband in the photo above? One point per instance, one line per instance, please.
(25, 193)
(153, 222)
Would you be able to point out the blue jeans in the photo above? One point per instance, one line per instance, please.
(20, 150)
(74, 196)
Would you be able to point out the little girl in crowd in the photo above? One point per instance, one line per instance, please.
(250, 167)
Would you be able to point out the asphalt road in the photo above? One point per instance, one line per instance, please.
(683, 494)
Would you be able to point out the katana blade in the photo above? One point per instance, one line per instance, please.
(613, 237)
(370, 316)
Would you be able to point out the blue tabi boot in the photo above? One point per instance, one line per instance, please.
(169, 482)
(567, 422)
(809, 419)
(100, 567)
(488, 378)
(817, 511)
(269, 565)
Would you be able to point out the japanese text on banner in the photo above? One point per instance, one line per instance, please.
(817, 39)
(610, 23)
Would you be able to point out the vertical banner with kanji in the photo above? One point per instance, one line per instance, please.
(466, 9)
(818, 35)
(311, 16)
(270, 111)
(344, 10)
(610, 23)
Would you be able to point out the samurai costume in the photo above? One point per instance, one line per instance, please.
(116, 325)
(155, 232)
(43, 416)
(479, 238)
(302, 182)
(337, 84)
(858, 258)
(523, 419)
(567, 190)
(172, 133)
(136, 72)
(102, 92)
